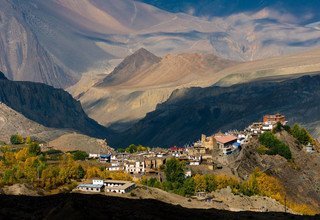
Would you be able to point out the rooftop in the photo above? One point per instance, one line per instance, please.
(90, 185)
(225, 138)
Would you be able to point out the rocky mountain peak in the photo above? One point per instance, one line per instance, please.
(132, 64)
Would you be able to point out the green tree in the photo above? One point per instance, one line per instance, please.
(301, 134)
(79, 155)
(16, 139)
(188, 186)
(121, 150)
(34, 149)
(174, 171)
(132, 149)
(81, 172)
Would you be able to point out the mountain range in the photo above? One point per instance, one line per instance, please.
(129, 61)
(188, 113)
(143, 80)
(56, 42)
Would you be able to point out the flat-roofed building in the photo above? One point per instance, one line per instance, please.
(118, 186)
(90, 187)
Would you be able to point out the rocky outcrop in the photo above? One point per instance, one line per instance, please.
(191, 112)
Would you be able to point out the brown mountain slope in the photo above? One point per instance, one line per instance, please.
(129, 67)
(300, 177)
(12, 122)
(289, 66)
(142, 81)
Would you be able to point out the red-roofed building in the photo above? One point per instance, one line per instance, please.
(272, 119)
(225, 140)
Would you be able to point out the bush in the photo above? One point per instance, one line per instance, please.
(274, 145)
(262, 149)
(301, 134)
(34, 149)
(53, 151)
(16, 139)
(79, 155)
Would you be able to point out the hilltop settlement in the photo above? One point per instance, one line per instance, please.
(256, 161)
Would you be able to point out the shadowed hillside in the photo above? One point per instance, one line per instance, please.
(79, 206)
(48, 106)
(192, 112)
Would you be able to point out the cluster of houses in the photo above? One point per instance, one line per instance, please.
(268, 123)
(211, 151)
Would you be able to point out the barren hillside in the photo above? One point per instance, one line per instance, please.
(289, 66)
(13, 122)
(142, 81)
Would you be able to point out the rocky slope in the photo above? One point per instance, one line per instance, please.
(143, 80)
(192, 112)
(12, 122)
(48, 106)
(300, 177)
(74, 141)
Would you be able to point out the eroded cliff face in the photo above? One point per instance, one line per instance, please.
(22, 56)
(48, 106)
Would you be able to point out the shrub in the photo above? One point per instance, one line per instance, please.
(301, 134)
(53, 151)
(262, 149)
(16, 139)
(34, 149)
(274, 145)
(79, 155)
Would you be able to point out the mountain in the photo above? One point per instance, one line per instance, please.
(277, 68)
(131, 65)
(144, 80)
(48, 106)
(188, 113)
(56, 42)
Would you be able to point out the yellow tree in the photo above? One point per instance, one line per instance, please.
(200, 183)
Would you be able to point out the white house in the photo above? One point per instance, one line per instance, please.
(94, 156)
(97, 182)
(115, 168)
(135, 167)
(119, 186)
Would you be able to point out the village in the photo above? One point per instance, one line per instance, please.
(209, 155)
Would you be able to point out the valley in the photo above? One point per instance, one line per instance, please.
(159, 109)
